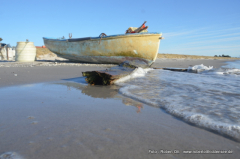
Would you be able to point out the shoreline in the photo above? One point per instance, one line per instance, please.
(180, 56)
(45, 53)
(17, 73)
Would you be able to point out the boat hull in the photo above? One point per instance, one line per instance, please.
(109, 49)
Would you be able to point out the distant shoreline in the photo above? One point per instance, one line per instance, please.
(179, 56)
(42, 52)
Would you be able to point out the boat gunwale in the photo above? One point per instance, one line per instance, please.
(108, 37)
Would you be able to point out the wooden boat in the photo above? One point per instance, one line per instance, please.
(112, 49)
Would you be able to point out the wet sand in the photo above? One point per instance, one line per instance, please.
(12, 73)
(48, 112)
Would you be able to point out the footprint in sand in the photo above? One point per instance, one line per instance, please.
(108, 129)
(30, 117)
(10, 155)
(34, 122)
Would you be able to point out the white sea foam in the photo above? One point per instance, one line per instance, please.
(209, 99)
(230, 69)
(224, 71)
(200, 67)
(138, 72)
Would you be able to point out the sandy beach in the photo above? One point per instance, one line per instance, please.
(48, 112)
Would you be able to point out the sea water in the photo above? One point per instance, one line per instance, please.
(209, 98)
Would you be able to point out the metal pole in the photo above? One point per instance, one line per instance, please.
(7, 53)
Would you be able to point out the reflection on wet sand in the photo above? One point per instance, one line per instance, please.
(131, 102)
(97, 91)
(56, 120)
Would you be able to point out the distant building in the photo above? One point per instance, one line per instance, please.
(2, 44)
(7, 52)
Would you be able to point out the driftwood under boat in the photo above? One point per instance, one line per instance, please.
(109, 76)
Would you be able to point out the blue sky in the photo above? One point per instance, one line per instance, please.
(192, 27)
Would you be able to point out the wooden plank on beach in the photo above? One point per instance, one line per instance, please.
(174, 69)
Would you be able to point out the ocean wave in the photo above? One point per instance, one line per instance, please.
(205, 99)
(138, 72)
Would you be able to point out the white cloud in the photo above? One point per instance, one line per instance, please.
(203, 41)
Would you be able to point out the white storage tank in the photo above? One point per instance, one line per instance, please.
(25, 52)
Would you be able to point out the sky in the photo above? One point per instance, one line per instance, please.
(190, 27)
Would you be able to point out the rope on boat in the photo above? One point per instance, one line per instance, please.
(101, 35)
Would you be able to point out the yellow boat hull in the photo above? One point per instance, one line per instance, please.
(109, 49)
